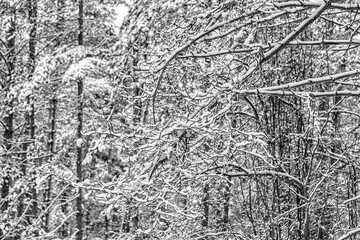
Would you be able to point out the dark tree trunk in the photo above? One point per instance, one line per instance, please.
(51, 150)
(30, 118)
(205, 203)
(126, 218)
(226, 203)
(79, 198)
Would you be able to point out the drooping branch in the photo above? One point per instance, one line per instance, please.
(282, 44)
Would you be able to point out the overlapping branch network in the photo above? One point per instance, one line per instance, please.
(238, 38)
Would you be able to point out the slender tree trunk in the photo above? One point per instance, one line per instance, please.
(300, 210)
(250, 210)
(205, 203)
(51, 150)
(29, 132)
(352, 192)
(6, 181)
(79, 199)
(126, 219)
(34, 194)
(52, 123)
(60, 20)
(306, 223)
(8, 119)
(137, 113)
(106, 228)
(64, 209)
(30, 118)
(226, 203)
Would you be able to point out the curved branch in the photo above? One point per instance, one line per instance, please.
(184, 47)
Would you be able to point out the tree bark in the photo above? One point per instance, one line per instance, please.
(226, 203)
(80, 86)
(205, 203)
(51, 150)
(31, 114)
(8, 119)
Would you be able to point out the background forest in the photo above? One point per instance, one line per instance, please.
(194, 119)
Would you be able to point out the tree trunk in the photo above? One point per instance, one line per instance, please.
(79, 198)
(126, 218)
(226, 203)
(30, 118)
(51, 150)
(8, 119)
(205, 203)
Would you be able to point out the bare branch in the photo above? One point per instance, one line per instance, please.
(279, 90)
(296, 32)
(286, 4)
(299, 94)
(329, 78)
(279, 46)
(184, 47)
(351, 199)
(349, 234)
(294, 181)
(254, 48)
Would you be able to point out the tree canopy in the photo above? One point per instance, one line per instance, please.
(208, 119)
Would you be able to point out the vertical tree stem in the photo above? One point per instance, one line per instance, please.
(79, 215)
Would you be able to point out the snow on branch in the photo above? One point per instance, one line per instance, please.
(301, 94)
(292, 180)
(255, 48)
(281, 45)
(296, 32)
(341, 6)
(329, 78)
(349, 234)
(280, 89)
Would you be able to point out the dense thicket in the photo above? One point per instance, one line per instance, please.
(206, 119)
